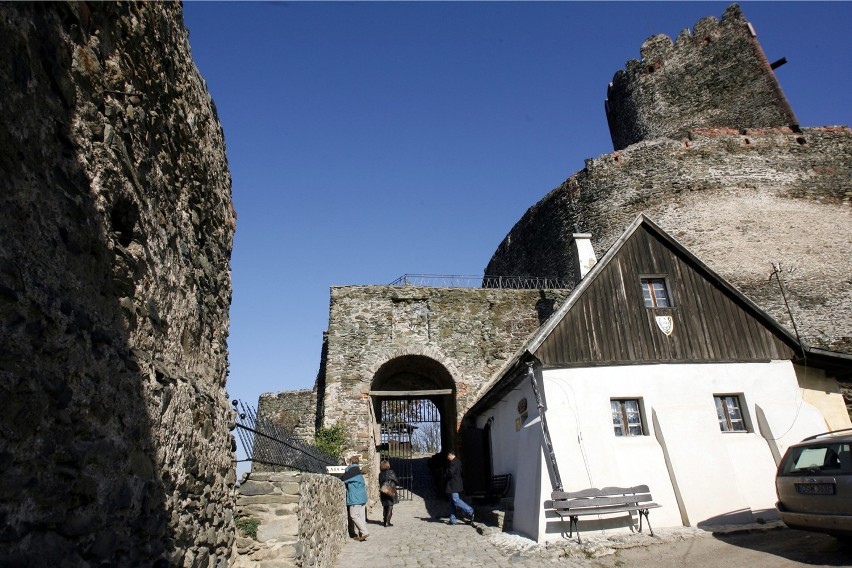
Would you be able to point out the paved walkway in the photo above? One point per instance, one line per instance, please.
(422, 537)
(418, 539)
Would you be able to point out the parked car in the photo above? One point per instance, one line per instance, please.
(814, 484)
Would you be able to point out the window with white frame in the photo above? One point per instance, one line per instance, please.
(626, 417)
(729, 412)
(655, 292)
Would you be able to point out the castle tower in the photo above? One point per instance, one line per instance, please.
(717, 76)
(724, 167)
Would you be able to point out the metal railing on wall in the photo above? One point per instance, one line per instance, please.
(469, 281)
(265, 442)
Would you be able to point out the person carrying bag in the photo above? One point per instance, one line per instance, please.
(388, 483)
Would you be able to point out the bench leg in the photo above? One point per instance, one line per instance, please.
(572, 526)
(644, 513)
(576, 528)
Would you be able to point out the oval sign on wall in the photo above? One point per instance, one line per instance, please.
(522, 406)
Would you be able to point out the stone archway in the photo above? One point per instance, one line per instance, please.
(410, 393)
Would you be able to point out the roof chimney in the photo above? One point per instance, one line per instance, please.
(583, 255)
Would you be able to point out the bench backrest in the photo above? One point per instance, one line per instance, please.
(594, 497)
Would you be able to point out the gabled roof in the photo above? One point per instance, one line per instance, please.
(533, 350)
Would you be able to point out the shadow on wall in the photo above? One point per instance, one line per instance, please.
(81, 484)
(739, 517)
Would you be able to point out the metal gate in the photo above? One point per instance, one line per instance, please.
(408, 427)
(271, 448)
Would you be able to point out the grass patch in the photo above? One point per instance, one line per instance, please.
(248, 526)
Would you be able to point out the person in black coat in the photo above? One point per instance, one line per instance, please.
(453, 485)
(387, 476)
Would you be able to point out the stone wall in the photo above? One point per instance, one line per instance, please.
(468, 332)
(303, 519)
(716, 76)
(293, 411)
(739, 201)
(116, 230)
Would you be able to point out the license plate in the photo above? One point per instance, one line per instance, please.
(815, 488)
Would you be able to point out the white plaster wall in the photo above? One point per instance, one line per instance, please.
(696, 472)
(520, 452)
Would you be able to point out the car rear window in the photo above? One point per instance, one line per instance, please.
(818, 459)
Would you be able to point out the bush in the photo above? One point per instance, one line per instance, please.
(248, 526)
(331, 440)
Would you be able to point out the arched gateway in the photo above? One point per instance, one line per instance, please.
(404, 363)
(414, 404)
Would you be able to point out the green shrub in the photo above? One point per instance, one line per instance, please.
(331, 440)
(248, 526)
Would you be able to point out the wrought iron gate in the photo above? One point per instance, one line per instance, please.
(408, 428)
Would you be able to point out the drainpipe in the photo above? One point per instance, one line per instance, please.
(544, 429)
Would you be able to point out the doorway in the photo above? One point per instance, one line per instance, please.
(415, 412)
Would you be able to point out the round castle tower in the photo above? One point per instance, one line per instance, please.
(717, 76)
(707, 146)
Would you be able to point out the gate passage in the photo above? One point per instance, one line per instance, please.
(410, 428)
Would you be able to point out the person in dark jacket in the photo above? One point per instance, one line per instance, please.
(387, 475)
(356, 497)
(453, 486)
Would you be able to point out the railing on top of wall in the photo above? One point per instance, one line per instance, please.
(268, 443)
(468, 281)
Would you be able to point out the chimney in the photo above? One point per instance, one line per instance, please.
(583, 255)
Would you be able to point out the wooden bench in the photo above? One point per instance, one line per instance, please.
(604, 501)
(497, 488)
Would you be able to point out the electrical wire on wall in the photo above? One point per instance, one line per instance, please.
(573, 407)
(776, 272)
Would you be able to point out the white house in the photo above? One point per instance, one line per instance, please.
(654, 371)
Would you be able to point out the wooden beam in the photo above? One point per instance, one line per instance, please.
(412, 393)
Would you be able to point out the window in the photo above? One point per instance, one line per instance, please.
(626, 417)
(729, 413)
(818, 456)
(656, 293)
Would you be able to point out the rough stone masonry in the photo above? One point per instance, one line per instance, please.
(711, 152)
(116, 230)
(707, 146)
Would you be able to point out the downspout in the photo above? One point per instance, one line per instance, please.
(545, 431)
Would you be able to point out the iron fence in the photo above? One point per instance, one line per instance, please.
(469, 281)
(265, 442)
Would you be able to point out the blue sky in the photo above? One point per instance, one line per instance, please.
(367, 140)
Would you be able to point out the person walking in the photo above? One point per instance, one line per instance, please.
(356, 498)
(453, 486)
(387, 476)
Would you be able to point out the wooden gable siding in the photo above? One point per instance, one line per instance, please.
(609, 323)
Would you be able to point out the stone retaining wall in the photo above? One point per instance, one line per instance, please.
(303, 520)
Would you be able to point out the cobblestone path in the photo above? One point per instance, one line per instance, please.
(421, 536)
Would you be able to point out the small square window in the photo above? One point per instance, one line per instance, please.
(729, 414)
(626, 417)
(656, 293)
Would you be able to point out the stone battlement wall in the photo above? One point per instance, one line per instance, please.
(716, 76)
(739, 200)
(116, 230)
